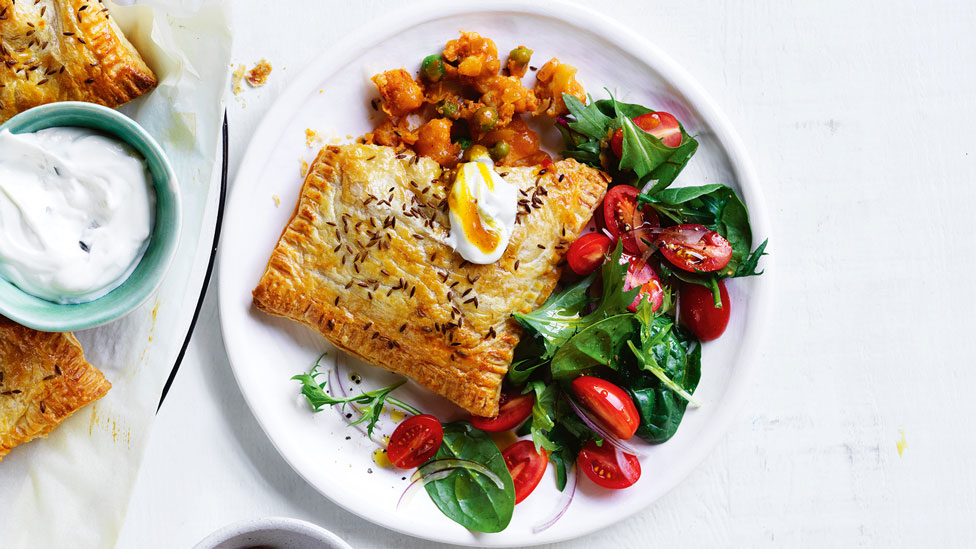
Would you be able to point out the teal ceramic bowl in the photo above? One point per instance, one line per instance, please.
(44, 315)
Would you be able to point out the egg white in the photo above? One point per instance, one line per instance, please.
(497, 207)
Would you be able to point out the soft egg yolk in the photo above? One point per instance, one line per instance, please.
(483, 235)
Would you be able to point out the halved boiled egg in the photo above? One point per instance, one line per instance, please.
(482, 211)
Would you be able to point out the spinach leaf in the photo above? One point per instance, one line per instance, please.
(677, 353)
(598, 344)
(520, 371)
(614, 299)
(653, 335)
(526, 360)
(569, 435)
(587, 152)
(563, 460)
(561, 316)
(557, 319)
(680, 195)
(468, 498)
(543, 413)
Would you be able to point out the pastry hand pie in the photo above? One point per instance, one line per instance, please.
(65, 50)
(363, 261)
(44, 378)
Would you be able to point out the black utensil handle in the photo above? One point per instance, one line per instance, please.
(210, 267)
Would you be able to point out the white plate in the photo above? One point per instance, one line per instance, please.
(332, 97)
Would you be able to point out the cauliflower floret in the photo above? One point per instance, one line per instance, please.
(434, 141)
(471, 57)
(554, 79)
(400, 92)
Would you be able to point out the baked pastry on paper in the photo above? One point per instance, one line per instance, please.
(44, 378)
(362, 261)
(65, 50)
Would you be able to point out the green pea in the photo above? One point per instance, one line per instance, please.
(485, 119)
(500, 150)
(448, 109)
(433, 68)
(520, 55)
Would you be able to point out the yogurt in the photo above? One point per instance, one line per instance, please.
(76, 212)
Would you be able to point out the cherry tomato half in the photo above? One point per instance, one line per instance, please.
(608, 466)
(588, 252)
(611, 404)
(640, 273)
(526, 465)
(415, 441)
(659, 124)
(698, 312)
(513, 408)
(694, 248)
(624, 221)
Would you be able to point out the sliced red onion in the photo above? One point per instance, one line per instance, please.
(441, 469)
(423, 481)
(564, 501)
(339, 381)
(600, 430)
(643, 229)
(440, 464)
(339, 409)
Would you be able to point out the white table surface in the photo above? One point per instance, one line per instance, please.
(860, 119)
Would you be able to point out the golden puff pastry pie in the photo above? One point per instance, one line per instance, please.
(44, 378)
(363, 261)
(65, 50)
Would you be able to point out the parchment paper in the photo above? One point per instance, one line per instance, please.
(72, 489)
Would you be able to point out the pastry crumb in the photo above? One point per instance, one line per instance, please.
(277, 200)
(304, 168)
(258, 76)
(901, 443)
(312, 137)
(237, 78)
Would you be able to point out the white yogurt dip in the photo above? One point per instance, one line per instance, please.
(76, 212)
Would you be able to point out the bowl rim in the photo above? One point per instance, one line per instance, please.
(268, 524)
(168, 233)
